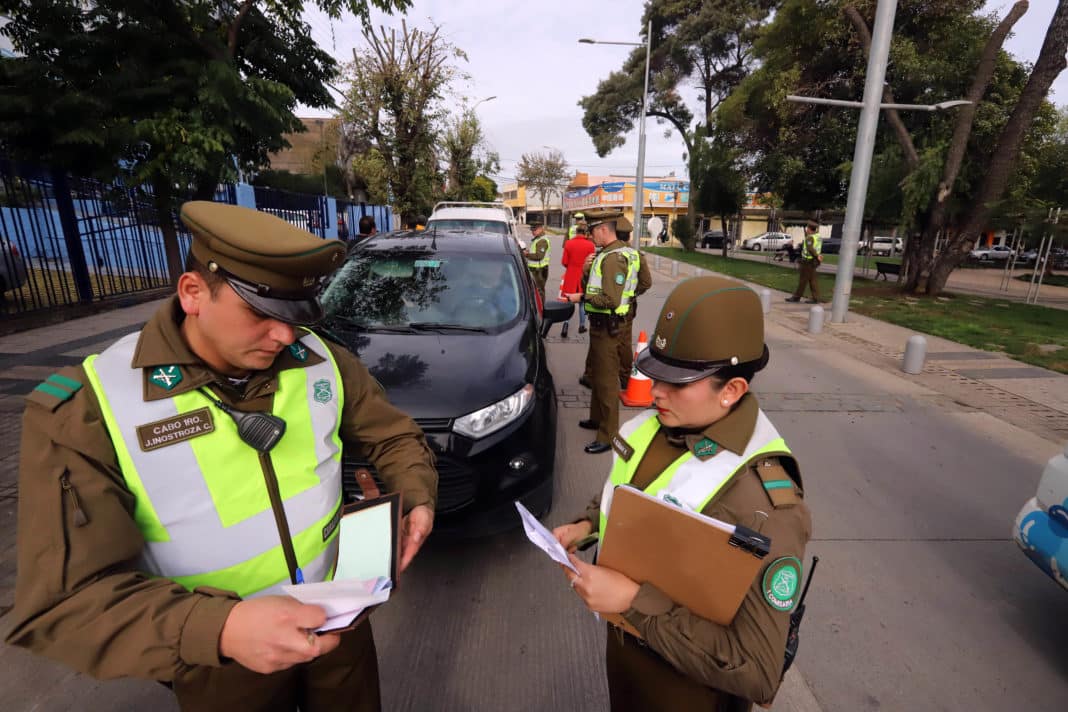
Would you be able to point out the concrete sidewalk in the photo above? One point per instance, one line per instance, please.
(980, 281)
(1032, 398)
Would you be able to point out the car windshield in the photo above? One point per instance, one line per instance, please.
(494, 226)
(382, 290)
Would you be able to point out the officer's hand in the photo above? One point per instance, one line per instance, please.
(568, 534)
(271, 633)
(602, 589)
(417, 526)
(589, 261)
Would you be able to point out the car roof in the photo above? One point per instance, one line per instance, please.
(465, 241)
(471, 213)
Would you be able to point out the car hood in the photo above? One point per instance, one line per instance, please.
(447, 375)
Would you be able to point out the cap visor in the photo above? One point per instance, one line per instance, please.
(658, 370)
(299, 312)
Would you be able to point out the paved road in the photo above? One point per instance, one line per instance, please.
(922, 601)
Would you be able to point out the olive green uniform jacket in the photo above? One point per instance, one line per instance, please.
(80, 598)
(603, 356)
(687, 662)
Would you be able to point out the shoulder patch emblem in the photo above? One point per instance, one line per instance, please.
(54, 390)
(323, 392)
(166, 377)
(620, 279)
(298, 351)
(782, 578)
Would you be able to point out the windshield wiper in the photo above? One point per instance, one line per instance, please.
(436, 326)
(351, 323)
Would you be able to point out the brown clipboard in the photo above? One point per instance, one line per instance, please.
(699, 562)
(373, 497)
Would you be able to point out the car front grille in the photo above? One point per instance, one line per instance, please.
(434, 424)
(457, 483)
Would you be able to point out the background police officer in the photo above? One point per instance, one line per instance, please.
(538, 257)
(626, 328)
(726, 460)
(153, 536)
(808, 274)
(612, 279)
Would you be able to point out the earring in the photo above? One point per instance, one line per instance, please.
(726, 402)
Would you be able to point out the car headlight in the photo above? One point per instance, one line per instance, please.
(494, 417)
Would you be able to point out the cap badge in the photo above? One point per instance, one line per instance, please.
(323, 393)
(669, 315)
(298, 351)
(734, 360)
(166, 377)
(661, 342)
(307, 281)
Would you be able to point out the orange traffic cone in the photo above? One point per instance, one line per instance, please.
(639, 393)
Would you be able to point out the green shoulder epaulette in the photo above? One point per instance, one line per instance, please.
(56, 390)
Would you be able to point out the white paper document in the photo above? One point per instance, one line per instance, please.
(341, 600)
(543, 538)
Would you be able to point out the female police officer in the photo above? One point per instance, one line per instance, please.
(708, 443)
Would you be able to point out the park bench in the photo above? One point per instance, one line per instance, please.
(887, 268)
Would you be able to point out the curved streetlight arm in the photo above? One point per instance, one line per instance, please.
(941, 106)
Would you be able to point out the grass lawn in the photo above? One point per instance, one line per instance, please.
(1024, 332)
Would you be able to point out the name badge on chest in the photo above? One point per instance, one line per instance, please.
(176, 429)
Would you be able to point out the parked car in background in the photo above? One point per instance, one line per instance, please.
(987, 254)
(831, 246)
(884, 246)
(1041, 528)
(12, 267)
(449, 323)
(713, 239)
(767, 241)
(495, 218)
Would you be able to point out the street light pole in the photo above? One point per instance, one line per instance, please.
(639, 178)
(862, 154)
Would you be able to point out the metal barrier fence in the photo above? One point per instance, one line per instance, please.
(306, 211)
(67, 240)
(349, 215)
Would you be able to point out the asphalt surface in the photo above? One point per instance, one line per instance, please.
(921, 601)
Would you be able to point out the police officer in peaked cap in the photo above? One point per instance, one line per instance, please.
(165, 555)
(707, 446)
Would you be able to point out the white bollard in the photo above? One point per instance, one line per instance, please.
(915, 353)
(765, 300)
(815, 319)
(656, 262)
(697, 271)
(674, 268)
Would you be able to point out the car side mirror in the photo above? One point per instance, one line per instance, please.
(555, 312)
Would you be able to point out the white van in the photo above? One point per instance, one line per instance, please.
(476, 216)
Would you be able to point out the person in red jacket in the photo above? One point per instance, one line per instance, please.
(576, 250)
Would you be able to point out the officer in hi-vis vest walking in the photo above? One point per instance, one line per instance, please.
(706, 447)
(538, 257)
(154, 535)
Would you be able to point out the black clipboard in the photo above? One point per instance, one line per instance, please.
(393, 501)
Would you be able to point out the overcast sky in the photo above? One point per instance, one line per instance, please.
(527, 55)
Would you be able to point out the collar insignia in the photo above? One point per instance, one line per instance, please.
(166, 377)
(298, 351)
(705, 448)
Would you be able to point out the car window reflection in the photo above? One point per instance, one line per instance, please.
(494, 226)
(398, 290)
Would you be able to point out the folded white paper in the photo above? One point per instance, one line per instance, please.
(543, 538)
(341, 600)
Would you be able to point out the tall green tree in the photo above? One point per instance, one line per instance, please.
(694, 42)
(944, 163)
(396, 105)
(179, 94)
(721, 184)
(467, 157)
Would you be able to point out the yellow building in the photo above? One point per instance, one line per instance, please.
(664, 197)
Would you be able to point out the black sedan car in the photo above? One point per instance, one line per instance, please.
(449, 323)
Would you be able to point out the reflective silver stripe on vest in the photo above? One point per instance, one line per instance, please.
(199, 543)
(695, 480)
